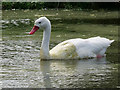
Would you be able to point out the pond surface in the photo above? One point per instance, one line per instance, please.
(21, 65)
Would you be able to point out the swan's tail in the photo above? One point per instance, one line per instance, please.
(112, 41)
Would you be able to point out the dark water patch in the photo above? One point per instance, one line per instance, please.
(113, 58)
(104, 21)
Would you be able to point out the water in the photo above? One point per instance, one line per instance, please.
(21, 65)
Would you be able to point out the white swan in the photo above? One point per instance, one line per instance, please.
(69, 49)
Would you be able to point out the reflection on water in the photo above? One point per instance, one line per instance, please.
(78, 73)
(21, 67)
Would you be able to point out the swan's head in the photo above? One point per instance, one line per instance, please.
(42, 22)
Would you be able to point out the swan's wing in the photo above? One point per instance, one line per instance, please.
(80, 48)
(91, 47)
(99, 45)
(64, 50)
(83, 48)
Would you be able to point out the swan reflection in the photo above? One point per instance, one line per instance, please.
(76, 73)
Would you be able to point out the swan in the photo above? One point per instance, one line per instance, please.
(70, 49)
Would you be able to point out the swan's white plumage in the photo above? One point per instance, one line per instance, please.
(81, 48)
(70, 49)
(64, 50)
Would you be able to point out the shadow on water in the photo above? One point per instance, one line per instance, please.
(105, 21)
(77, 73)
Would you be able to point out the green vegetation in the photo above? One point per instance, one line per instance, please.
(63, 5)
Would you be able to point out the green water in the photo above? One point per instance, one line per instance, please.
(21, 65)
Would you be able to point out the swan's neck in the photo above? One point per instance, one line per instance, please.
(44, 52)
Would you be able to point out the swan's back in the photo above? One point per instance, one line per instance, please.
(81, 48)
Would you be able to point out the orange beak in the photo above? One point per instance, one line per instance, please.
(35, 28)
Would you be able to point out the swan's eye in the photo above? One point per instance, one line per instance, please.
(39, 22)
